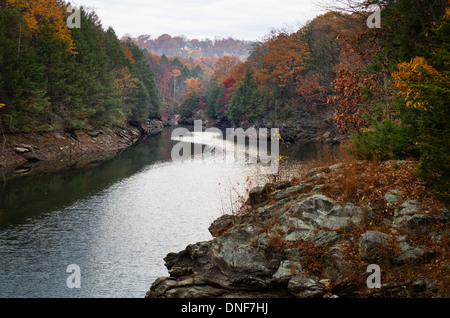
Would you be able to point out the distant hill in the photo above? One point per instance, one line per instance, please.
(179, 46)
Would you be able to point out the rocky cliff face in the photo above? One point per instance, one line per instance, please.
(302, 128)
(297, 242)
(307, 128)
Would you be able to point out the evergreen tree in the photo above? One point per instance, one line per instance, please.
(50, 82)
(188, 107)
(149, 101)
(197, 72)
(164, 59)
(176, 62)
(213, 103)
(91, 77)
(185, 72)
(244, 105)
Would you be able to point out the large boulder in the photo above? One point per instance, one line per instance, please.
(371, 244)
(261, 195)
(323, 212)
(414, 255)
(305, 287)
(221, 225)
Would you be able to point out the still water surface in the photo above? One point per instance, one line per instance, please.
(115, 219)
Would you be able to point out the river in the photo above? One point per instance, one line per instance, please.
(115, 219)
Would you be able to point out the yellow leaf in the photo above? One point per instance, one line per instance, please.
(34, 12)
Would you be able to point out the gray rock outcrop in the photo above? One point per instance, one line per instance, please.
(297, 242)
(242, 261)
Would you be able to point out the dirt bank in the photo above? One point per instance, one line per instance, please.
(29, 153)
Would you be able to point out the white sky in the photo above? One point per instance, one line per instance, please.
(240, 19)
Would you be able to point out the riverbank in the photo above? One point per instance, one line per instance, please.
(314, 236)
(302, 127)
(23, 154)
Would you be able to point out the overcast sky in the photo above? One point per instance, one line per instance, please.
(240, 19)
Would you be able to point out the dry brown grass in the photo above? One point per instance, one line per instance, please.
(365, 183)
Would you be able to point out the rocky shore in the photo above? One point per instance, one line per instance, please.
(28, 153)
(302, 128)
(295, 241)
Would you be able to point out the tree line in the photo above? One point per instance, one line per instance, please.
(56, 78)
(388, 87)
(181, 47)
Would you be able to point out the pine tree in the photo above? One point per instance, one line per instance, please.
(245, 103)
(45, 85)
(185, 72)
(164, 59)
(213, 103)
(149, 101)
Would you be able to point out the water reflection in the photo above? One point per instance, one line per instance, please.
(116, 219)
(32, 195)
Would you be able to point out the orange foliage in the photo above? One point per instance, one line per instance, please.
(351, 78)
(350, 106)
(238, 72)
(310, 88)
(153, 58)
(206, 70)
(35, 12)
(128, 53)
(124, 82)
(193, 87)
(409, 74)
(176, 73)
(224, 67)
(285, 58)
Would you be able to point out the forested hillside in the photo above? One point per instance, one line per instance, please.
(56, 78)
(172, 74)
(388, 87)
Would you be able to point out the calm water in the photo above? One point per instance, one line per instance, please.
(115, 219)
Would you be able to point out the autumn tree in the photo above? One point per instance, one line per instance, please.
(125, 83)
(285, 60)
(193, 97)
(128, 53)
(229, 86)
(424, 84)
(46, 87)
(392, 88)
(193, 87)
(353, 85)
(38, 13)
(239, 70)
(224, 67)
(311, 90)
